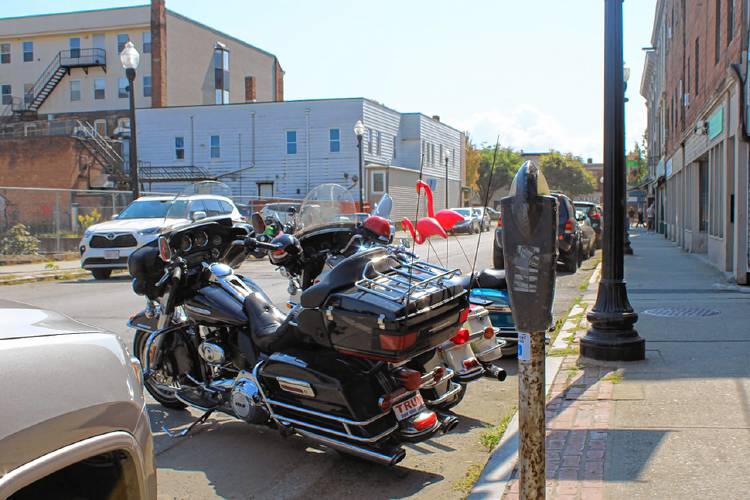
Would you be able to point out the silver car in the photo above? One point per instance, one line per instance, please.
(73, 420)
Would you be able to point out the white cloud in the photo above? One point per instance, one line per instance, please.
(531, 130)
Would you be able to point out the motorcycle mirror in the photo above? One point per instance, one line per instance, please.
(165, 253)
(258, 223)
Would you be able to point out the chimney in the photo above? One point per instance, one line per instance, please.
(158, 54)
(436, 118)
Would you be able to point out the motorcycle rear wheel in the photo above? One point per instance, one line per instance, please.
(164, 394)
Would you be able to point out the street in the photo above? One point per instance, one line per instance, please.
(231, 459)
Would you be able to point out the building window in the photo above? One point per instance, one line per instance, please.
(122, 39)
(122, 88)
(101, 127)
(394, 147)
(75, 90)
(147, 86)
(369, 140)
(265, 189)
(334, 140)
(378, 182)
(99, 88)
(179, 148)
(4, 53)
(28, 93)
(221, 74)
(432, 153)
(441, 158)
(146, 41)
(703, 196)
(716, 191)
(5, 91)
(215, 146)
(378, 146)
(730, 20)
(697, 65)
(28, 51)
(98, 42)
(74, 44)
(717, 31)
(291, 142)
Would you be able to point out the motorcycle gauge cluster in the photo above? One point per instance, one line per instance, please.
(201, 239)
(186, 243)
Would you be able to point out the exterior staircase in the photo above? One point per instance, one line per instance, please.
(102, 151)
(61, 64)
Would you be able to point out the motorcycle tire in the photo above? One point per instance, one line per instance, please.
(164, 399)
(456, 401)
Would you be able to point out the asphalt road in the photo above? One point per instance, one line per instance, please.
(230, 459)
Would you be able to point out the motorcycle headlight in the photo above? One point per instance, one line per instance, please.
(151, 230)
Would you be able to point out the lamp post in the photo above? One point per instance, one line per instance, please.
(359, 131)
(129, 58)
(612, 336)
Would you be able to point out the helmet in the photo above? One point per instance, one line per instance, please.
(377, 228)
(289, 249)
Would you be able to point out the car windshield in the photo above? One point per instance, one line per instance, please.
(463, 211)
(146, 209)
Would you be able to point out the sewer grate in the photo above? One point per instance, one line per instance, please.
(681, 312)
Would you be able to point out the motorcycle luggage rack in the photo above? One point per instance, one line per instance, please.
(406, 282)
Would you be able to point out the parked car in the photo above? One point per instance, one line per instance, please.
(568, 234)
(588, 235)
(73, 421)
(470, 224)
(595, 215)
(484, 218)
(494, 214)
(106, 246)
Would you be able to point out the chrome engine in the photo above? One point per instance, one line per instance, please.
(247, 402)
(211, 353)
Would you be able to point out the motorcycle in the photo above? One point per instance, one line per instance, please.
(328, 237)
(333, 370)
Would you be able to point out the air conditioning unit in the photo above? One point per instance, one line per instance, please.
(701, 127)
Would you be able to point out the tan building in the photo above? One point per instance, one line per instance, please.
(59, 64)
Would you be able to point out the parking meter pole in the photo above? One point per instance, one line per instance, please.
(531, 417)
(530, 243)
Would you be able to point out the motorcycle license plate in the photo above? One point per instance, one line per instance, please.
(111, 254)
(409, 408)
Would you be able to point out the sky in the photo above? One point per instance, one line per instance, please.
(529, 72)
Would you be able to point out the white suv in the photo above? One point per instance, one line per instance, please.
(107, 245)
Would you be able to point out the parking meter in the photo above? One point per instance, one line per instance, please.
(530, 248)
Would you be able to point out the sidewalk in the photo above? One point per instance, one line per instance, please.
(23, 273)
(676, 425)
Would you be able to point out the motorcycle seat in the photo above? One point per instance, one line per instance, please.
(270, 329)
(487, 278)
(344, 275)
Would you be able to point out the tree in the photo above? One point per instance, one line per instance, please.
(18, 241)
(506, 164)
(637, 166)
(473, 156)
(565, 173)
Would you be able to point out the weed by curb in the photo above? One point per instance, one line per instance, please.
(466, 483)
(491, 437)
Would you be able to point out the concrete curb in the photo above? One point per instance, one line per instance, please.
(53, 276)
(499, 468)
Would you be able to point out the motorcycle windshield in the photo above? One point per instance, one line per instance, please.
(196, 202)
(384, 207)
(327, 205)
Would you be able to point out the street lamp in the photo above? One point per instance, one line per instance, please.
(612, 336)
(129, 58)
(359, 131)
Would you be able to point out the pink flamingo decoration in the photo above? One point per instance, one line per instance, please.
(434, 224)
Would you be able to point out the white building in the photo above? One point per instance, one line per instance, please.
(283, 149)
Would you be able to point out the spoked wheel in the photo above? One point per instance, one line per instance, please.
(162, 386)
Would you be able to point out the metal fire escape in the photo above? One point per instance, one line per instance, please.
(102, 152)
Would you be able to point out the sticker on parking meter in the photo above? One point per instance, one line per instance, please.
(524, 346)
(526, 267)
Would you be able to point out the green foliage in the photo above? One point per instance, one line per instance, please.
(638, 166)
(507, 163)
(18, 241)
(473, 157)
(565, 173)
(87, 220)
(491, 436)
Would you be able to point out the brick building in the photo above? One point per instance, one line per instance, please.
(693, 81)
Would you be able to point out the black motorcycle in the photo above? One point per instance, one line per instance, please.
(332, 370)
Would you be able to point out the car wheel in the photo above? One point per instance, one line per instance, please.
(571, 261)
(498, 259)
(163, 393)
(101, 274)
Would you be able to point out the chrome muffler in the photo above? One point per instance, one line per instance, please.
(352, 449)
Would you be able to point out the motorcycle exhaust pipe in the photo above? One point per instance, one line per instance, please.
(447, 422)
(495, 372)
(352, 449)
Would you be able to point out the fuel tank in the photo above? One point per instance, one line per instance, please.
(213, 305)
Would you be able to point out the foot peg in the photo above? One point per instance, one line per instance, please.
(186, 431)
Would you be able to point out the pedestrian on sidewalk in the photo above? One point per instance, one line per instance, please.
(650, 217)
(641, 223)
(631, 216)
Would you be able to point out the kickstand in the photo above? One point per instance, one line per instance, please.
(186, 431)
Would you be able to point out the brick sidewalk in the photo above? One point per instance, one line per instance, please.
(579, 409)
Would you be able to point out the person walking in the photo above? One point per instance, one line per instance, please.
(650, 217)
(631, 216)
(641, 223)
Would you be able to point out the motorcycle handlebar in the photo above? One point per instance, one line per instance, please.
(253, 243)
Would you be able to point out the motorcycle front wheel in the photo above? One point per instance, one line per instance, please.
(161, 386)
